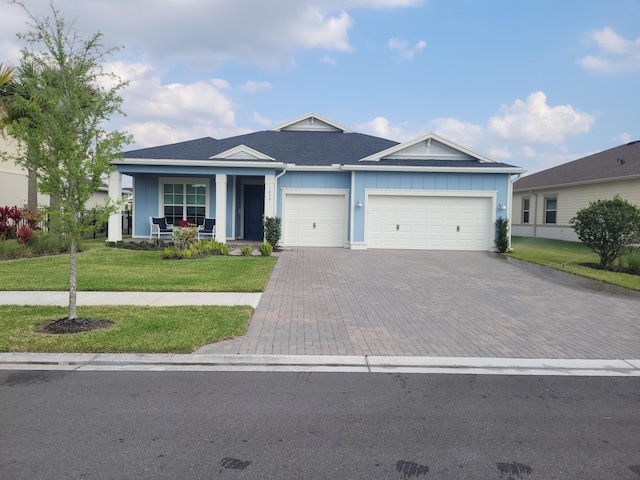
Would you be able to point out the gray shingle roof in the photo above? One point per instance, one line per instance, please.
(305, 148)
(301, 148)
(613, 164)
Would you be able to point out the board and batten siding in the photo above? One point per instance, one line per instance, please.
(569, 201)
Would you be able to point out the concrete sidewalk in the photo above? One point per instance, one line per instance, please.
(153, 299)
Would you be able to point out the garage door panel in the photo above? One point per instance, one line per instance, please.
(429, 222)
(314, 220)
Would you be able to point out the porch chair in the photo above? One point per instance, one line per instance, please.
(159, 228)
(208, 228)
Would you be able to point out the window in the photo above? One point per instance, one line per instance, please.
(550, 209)
(184, 201)
(525, 210)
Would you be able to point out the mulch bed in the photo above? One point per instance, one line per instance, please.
(597, 266)
(78, 325)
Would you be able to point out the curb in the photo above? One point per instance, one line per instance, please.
(318, 363)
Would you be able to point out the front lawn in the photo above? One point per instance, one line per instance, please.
(570, 257)
(134, 329)
(110, 269)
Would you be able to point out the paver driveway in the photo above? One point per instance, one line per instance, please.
(433, 303)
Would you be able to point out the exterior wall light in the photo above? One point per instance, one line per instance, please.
(502, 206)
(358, 203)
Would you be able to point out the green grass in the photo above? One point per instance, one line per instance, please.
(568, 256)
(111, 269)
(135, 329)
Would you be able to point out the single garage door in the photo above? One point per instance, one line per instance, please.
(429, 222)
(313, 220)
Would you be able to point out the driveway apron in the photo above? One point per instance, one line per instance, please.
(325, 301)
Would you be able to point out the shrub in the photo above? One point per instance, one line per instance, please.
(502, 235)
(246, 251)
(272, 230)
(607, 227)
(23, 235)
(223, 249)
(170, 252)
(266, 249)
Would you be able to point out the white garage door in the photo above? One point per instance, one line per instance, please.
(314, 220)
(423, 222)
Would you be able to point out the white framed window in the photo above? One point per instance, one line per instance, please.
(184, 199)
(550, 209)
(526, 206)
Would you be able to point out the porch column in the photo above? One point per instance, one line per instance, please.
(269, 196)
(221, 208)
(115, 219)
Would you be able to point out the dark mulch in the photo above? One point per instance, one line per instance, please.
(78, 325)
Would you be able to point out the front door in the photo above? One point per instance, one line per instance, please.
(253, 211)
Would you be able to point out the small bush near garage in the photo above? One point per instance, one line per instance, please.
(273, 230)
(266, 249)
(502, 235)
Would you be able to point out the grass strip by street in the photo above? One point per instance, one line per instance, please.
(109, 269)
(568, 257)
(135, 329)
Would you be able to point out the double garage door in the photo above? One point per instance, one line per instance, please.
(429, 222)
(314, 220)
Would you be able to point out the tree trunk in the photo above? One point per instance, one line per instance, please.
(54, 217)
(73, 261)
(32, 190)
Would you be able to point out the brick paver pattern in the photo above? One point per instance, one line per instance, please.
(325, 301)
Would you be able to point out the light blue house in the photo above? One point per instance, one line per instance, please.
(331, 186)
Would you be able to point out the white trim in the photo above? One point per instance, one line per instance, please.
(308, 116)
(197, 163)
(319, 168)
(452, 169)
(352, 202)
(239, 150)
(428, 137)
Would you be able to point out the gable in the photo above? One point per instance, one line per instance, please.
(241, 152)
(428, 147)
(311, 122)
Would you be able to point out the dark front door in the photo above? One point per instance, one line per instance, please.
(253, 211)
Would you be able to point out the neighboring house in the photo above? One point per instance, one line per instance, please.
(13, 183)
(545, 202)
(331, 187)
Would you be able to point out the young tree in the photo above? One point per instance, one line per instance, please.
(607, 227)
(70, 100)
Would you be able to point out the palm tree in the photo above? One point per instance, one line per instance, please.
(9, 113)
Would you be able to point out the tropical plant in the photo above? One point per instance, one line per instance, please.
(246, 251)
(266, 249)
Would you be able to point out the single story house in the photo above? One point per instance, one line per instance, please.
(331, 186)
(545, 202)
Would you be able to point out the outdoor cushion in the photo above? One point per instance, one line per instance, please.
(161, 222)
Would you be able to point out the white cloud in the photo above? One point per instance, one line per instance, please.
(535, 121)
(252, 86)
(402, 48)
(260, 120)
(528, 152)
(463, 133)
(381, 127)
(623, 138)
(328, 60)
(499, 153)
(617, 54)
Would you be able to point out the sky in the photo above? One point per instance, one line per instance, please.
(532, 83)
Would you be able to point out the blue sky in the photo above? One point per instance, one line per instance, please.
(533, 83)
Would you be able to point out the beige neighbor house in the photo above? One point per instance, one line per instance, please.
(13, 183)
(545, 202)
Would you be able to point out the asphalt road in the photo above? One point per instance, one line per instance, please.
(218, 425)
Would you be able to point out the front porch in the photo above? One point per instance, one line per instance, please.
(239, 203)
